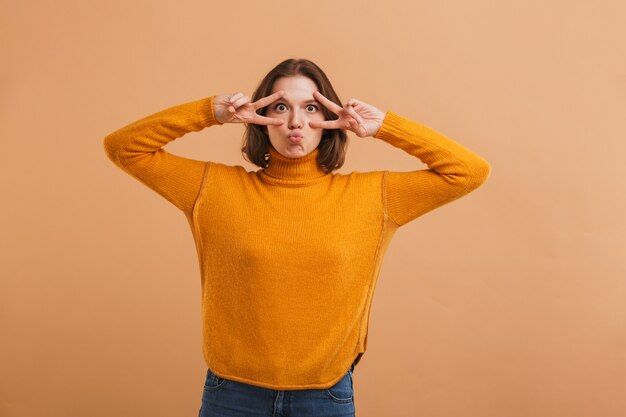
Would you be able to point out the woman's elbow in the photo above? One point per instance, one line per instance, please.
(480, 172)
(112, 145)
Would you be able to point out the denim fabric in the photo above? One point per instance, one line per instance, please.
(228, 398)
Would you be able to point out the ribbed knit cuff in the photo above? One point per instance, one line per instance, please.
(392, 126)
(206, 113)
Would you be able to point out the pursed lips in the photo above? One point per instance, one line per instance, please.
(295, 138)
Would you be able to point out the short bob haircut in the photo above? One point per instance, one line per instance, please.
(332, 147)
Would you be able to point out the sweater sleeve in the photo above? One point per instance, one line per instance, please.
(453, 170)
(137, 150)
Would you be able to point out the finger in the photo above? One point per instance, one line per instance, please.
(231, 100)
(262, 102)
(356, 127)
(327, 124)
(353, 113)
(240, 101)
(262, 120)
(235, 97)
(326, 102)
(354, 102)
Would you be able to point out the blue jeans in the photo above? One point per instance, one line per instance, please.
(228, 398)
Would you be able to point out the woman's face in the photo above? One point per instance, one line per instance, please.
(297, 107)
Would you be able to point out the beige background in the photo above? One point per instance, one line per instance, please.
(508, 302)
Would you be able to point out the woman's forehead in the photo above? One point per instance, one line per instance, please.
(298, 99)
(297, 89)
(295, 85)
(296, 95)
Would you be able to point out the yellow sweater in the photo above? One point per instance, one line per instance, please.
(289, 256)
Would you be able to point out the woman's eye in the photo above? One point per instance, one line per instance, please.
(276, 107)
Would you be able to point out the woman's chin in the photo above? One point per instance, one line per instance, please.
(292, 151)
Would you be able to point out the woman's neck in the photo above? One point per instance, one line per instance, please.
(293, 171)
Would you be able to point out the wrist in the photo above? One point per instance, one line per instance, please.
(380, 120)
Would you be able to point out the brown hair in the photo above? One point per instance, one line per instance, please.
(332, 147)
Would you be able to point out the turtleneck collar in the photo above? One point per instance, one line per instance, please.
(292, 172)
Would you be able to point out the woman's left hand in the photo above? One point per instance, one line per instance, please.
(356, 116)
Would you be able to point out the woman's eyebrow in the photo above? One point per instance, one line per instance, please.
(306, 102)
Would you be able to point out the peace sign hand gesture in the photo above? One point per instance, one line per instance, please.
(236, 108)
(356, 116)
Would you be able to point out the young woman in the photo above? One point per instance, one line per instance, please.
(290, 253)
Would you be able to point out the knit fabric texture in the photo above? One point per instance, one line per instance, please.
(289, 255)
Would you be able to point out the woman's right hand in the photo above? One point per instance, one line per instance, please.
(236, 108)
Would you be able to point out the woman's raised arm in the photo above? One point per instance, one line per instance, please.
(453, 170)
(137, 149)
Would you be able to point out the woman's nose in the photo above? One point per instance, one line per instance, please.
(295, 120)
